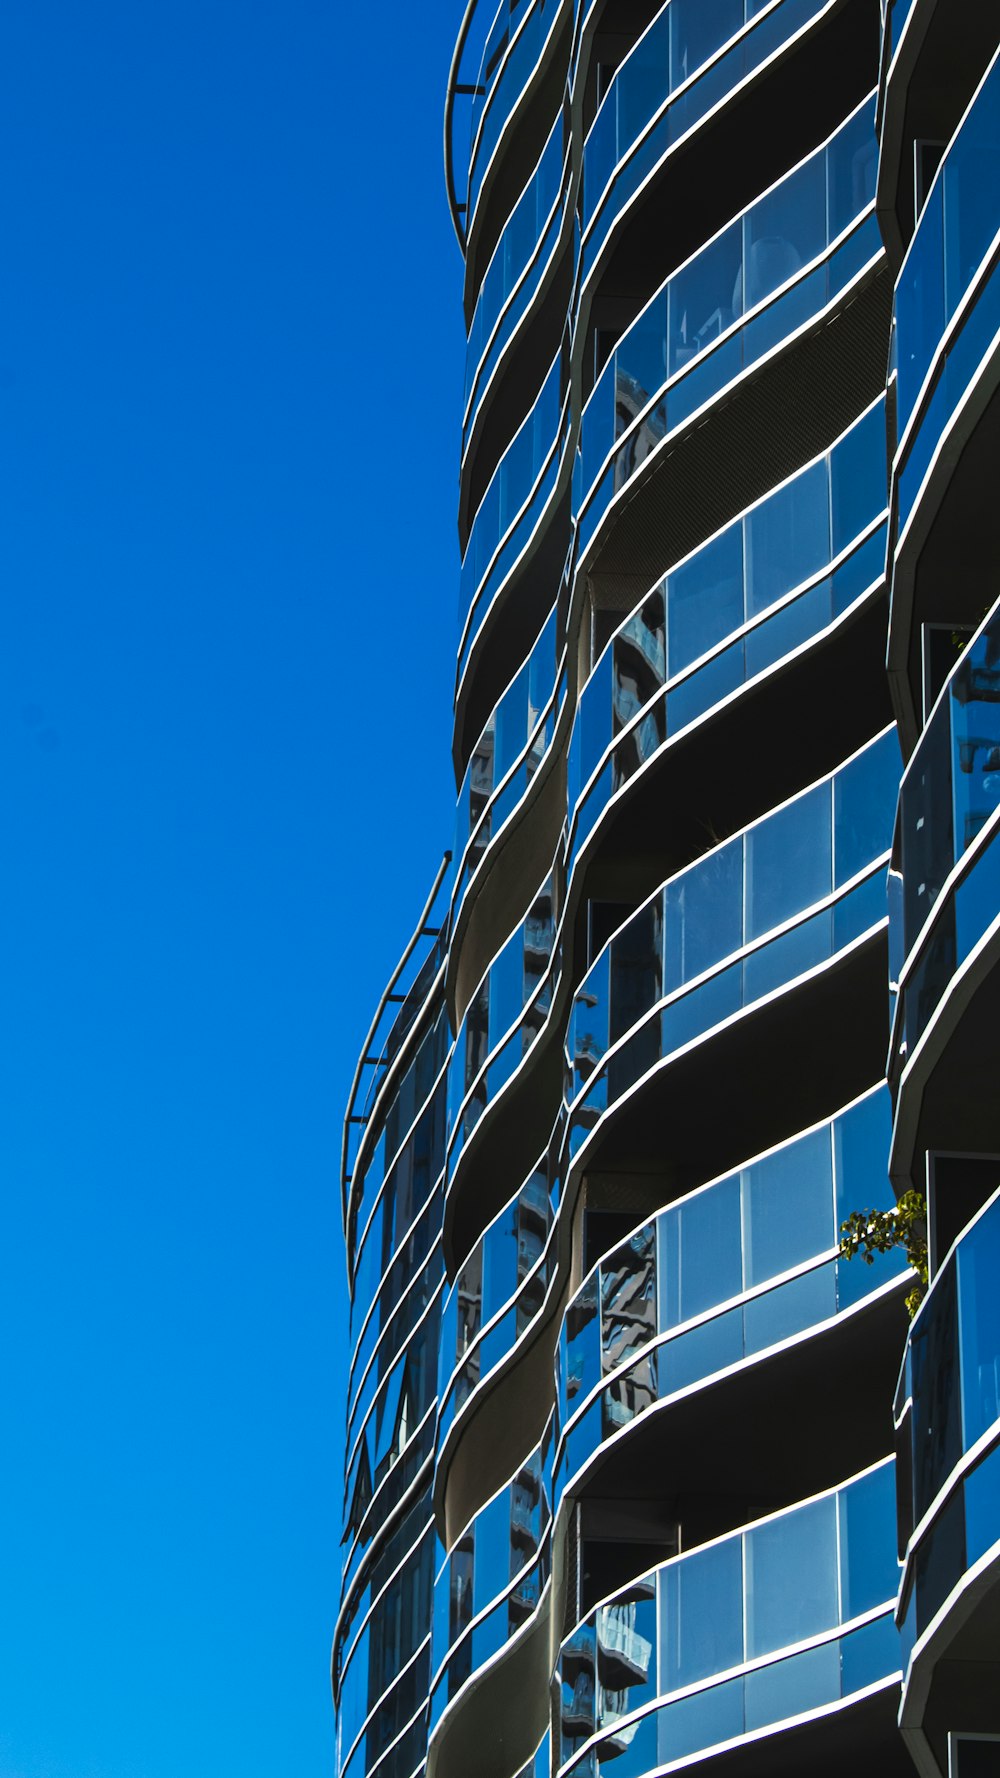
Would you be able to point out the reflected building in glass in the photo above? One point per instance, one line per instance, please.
(623, 1491)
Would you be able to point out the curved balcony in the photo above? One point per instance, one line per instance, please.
(690, 58)
(496, 1295)
(504, 1018)
(486, 1594)
(366, 1673)
(512, 509)
(763, 909)
(951, 786)
(410, 989)
(506, 757)
(727, 1642)
(397, 1175)
(773, 581)
(519, 36)
(497, 871)
(520, 259)
(411, 1279)
(735, 1270)
(761, 280)
(945, 908)
(393, 1437)
(359, 1601)
(947, 323)
(947, 299)
(933, 55)
(948, 1429)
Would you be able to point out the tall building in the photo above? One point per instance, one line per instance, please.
(939, 197)
(624, 1489)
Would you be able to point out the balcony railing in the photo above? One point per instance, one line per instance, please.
(737, 1641)
(948, 1421)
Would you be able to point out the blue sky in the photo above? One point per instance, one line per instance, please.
(230, 365)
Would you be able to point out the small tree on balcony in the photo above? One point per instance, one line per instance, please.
(878, 1231)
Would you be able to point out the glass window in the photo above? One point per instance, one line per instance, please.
(701, 1616)
(705, 297)
(788, 861)
(789, 1688)
(636, 968)
(971, 175)
(784, 231)
(700, 1721)
(640, 363)
(979, 1317)
(704, 600)
(858, 477)
(703, 915)
(700, 1253)
(869, 1574)
(788, 1308)
(697, 31)
(864, 802)
(788, 1207)
(792, 1577)
(628, 1299)
(787, 538)
(852, 164)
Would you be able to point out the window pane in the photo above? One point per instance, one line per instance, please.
(704, 600)
(701, 1616)
(788, 1207)
(788, 861)
(788, 538)
(792, 1578)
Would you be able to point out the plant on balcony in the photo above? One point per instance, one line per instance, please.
(879, 1231)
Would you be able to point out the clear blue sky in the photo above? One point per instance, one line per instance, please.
(230, 364)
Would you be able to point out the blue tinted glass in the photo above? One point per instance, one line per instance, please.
(791, 954)
(506, 988)
(703, 916)
(594, 716)
(870, 1653)
(700, 1721)
(858, 477)
(852, 164)
(696, 31)
(511, 724)
(869, 1573)
(861, 1145)
(588, 1030)
(791, 1566)
(789, 626)
(982, 1506)
(785, 230)
(979, 1325)
(977, 899)
(788, 1207)
(790, 1688)
(499, 1262)
(700, 1257)
(707, 686)
(864, 801)
(788, 861)
(704, 600)
(787, 538)
(920, 303)
(696, 1012)
(705, 297)
(970, 175)
(801, 1302)
(701, 1615)
(713, 1346)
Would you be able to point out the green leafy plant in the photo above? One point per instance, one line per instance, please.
(878, 1231)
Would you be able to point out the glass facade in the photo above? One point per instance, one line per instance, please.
(627, 1084)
